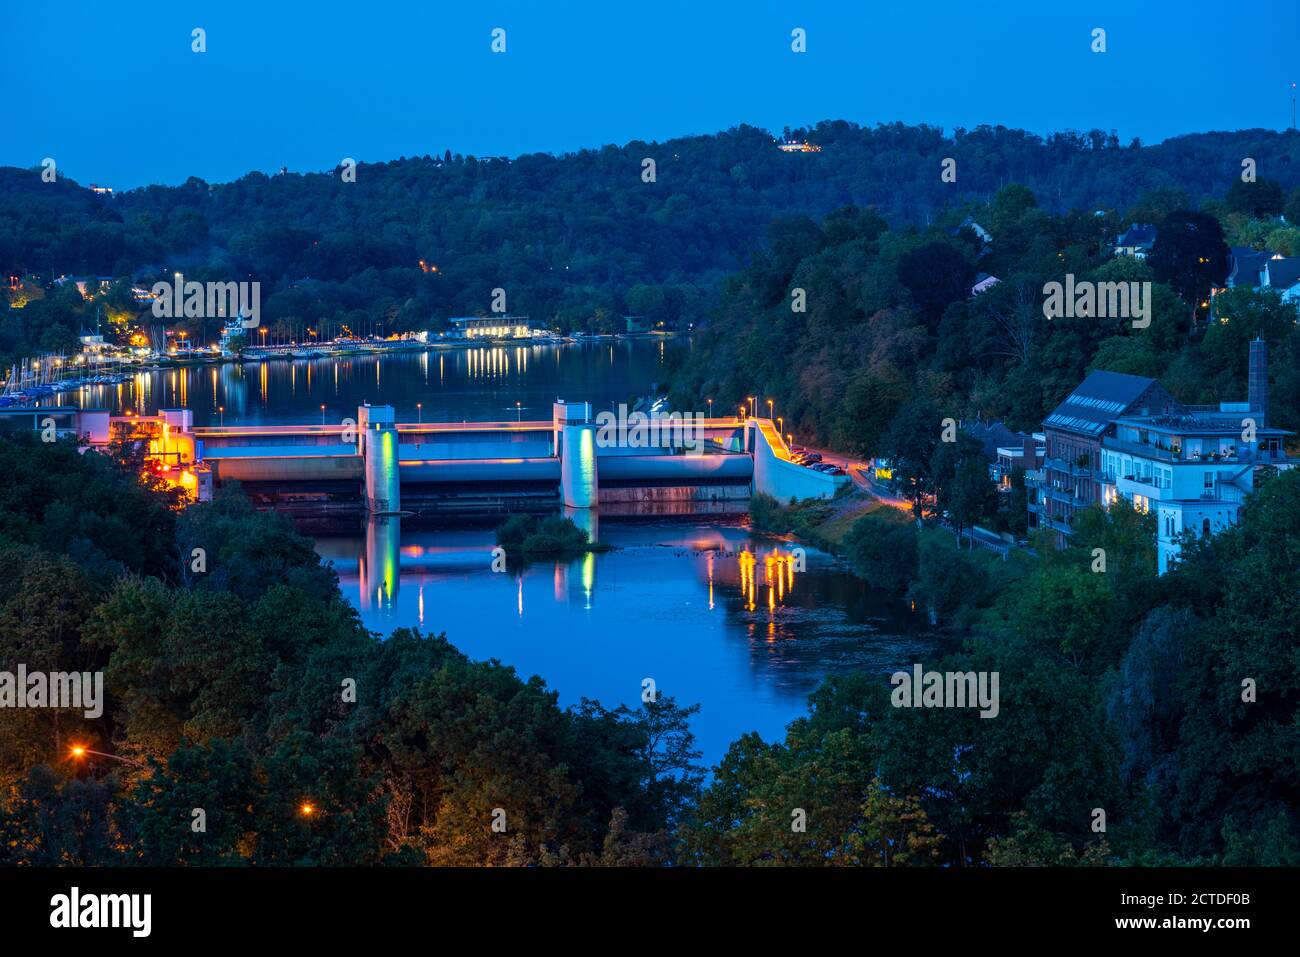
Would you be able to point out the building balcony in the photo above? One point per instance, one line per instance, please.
(1067, 468)
(1143, 450)
(1066, 496)
(1130, 485)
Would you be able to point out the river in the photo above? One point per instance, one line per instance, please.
(691, 602)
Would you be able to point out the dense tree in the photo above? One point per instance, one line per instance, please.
(1191, 256)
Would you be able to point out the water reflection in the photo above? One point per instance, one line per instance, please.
(744, 626)
(480, 382)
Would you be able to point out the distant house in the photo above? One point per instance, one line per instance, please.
(985, 238)
(86, 285)
(1136, 241)
(983, 283)
(1006, 450)
(1283, 274)
(1247, 267)
(637, 324)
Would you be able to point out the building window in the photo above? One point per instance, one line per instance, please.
(1205, 528)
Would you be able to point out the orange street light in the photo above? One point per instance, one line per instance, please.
(80, 751)
(769, 408)
(306, 809)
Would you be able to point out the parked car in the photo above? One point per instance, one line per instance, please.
(814, 456)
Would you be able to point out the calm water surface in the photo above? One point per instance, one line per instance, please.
(449, 384)
(693, 603)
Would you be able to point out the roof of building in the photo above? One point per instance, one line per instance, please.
(970, 223)
(1097, 401)
(993, 435)
(1139, 234)
(1192, 422)
(1283, 273)
(1246, 265)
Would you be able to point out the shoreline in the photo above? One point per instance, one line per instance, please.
(129, 368)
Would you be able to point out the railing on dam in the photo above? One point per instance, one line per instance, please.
(382, 456)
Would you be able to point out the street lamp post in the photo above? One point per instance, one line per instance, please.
(322, 416)
(221, 409)
(419, 413)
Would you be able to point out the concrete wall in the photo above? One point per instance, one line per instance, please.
(682, 468)
(544, 469)
(307, 468)
(780, 478)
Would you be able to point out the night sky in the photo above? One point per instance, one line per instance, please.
(116, 96)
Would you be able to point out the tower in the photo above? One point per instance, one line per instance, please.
(1257, 381)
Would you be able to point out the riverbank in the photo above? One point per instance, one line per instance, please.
(116, 372)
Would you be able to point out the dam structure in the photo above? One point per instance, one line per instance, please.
(376, 465)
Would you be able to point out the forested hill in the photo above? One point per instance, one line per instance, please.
(569, 236)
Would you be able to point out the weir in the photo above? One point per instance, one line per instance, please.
(384, 467)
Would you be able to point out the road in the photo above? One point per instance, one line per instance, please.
(861, 473)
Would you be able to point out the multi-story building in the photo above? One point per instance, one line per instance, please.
(1068, 480)
(1193, 466)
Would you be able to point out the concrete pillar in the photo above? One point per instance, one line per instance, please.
(379, 446)
(579, 487)
(587, 519)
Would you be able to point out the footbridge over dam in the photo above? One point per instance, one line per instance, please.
(575, 459)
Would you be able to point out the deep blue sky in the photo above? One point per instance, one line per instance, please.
(115, 95)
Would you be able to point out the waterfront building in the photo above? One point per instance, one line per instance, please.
(1072, 434)
(495, 327)
(1193, 466)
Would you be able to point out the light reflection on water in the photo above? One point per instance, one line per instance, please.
(471, 383)
(712, 614)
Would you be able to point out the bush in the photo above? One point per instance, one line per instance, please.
(884, 552)
(528, 534)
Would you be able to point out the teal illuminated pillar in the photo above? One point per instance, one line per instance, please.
(382, 472)
(578, 485)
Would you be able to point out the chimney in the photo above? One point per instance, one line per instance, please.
(1028, 453)
(1257, 394)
